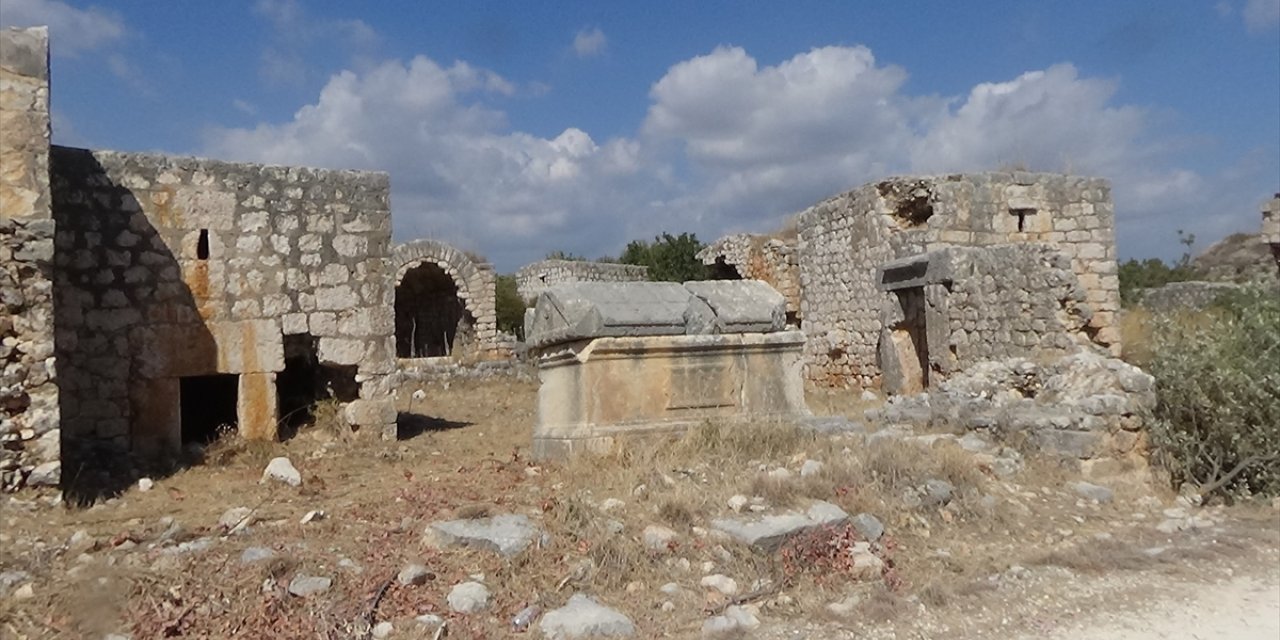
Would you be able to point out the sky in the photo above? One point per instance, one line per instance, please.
(514, 129)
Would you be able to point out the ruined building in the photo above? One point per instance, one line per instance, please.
(1271, 226)
(533, 279)
(444, 304)
(758, 257)
(909, 279)
(150, 301)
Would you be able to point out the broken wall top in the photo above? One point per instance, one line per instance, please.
(586, 310)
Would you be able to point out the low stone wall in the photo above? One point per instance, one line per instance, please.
(533, 279)
(1193, 294)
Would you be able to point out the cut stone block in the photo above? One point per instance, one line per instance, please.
(769, 532)
(742, 306)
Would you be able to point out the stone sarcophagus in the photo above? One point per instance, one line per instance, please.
(644, 358)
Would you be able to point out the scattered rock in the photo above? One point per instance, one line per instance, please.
(312, 516)
(937, 492)
(303, 586)
(658, 538)
(48, 474)
(382, 630)
(256, 554)
(413, 574)
(583, 617)
(846, 607)
(781, 473)
(732, 623)
(868, 526)
(145, 484)
(1090, 491)
(810, 468)
(25, 592)
(670, 589)
(609, 504)
(722, 583)
(429, 620)
(738, 503)
(281, 470)
(507, 534)
(768, 532)
(232, 517)
(468, 597)
(668, 606)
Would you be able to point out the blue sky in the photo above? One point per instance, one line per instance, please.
(517, 128)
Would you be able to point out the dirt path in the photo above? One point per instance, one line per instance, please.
(1246, 608)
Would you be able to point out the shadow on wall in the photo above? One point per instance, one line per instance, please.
(138, 367)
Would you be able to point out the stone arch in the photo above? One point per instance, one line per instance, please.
(444, 302)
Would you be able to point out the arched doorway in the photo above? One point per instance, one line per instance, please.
(431, 320)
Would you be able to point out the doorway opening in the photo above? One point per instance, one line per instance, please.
(722, 270)
(208, 406)
(431, 320)
(305, 383)
(910, 340)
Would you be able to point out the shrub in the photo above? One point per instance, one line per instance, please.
(509, 306)
(669, 258)
(1217, 419)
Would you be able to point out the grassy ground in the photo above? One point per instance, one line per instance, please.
(465, 456)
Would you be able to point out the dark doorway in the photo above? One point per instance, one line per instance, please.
(910, 340)
(429, 313)
(722, 270)
(305, 381)
(208, 405)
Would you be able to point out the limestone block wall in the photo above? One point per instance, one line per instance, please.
(843, 239)
(29, 426)
(1271, 226)
(533, 279)
(169, 268)
(474, 286)
(760, 257)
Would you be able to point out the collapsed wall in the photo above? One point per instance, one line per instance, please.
(194, 294)
(533, 279)
(758, 257)
(843, 240)
(29, 432)
(1271, 226)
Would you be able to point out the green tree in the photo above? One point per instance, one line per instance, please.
(669, 258)
(509, 306)
(1136, 275)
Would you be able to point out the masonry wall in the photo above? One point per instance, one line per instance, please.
(177, 267)
(533, 279)
(844, 239)
(760, 257)
(1271, 226)
(476, 293)
(29, 431)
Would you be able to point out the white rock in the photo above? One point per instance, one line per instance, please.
(609, 504)
(413, 574)
(312, 516)
(468, 597)
(303, 586)
(145, 484)
(781, 473)
(738, 503)
(722, 583)
(281, 470)
(658, 538)
(670, 589)
(583, 617)
(233, 517)
(383, 630)
(810, 468)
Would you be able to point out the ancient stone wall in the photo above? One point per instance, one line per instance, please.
(29, 427)
(1271, 226)
(449, 294)
(844, 239)
(533, 279)
(758, 257)
(173, 269)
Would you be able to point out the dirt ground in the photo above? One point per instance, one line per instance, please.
(1022, 555)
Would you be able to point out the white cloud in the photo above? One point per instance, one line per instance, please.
(1260, 15)
(296, 34)
(71, 30)
(728, 145)
(589, 42)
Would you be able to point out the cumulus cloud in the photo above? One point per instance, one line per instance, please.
(589, 42)
(72, 31)
(727, 144)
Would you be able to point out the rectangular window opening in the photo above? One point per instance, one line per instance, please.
(202, 245)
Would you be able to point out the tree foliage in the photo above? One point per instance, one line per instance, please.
(1136, 275)
(669, 258)
(510, 306)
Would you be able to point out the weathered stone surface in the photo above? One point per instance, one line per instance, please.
(507, 534)
(533, 279)
(303, 585)
(468, 597)
(758, 257)
(742, 306)
(663, 384)
(582, 310)
(1088, 490)
(658, 538)
(770, 531)
(413, 574)
(281, 470)
(583, 617)
(868, 526)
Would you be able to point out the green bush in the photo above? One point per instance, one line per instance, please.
(1217, 420)
(669, 258)
(509, 306)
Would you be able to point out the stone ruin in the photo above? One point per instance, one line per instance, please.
(758, 257)
(533, 279)
(1271, 226)
(444, 304)
(637, 359)
(175, 295)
